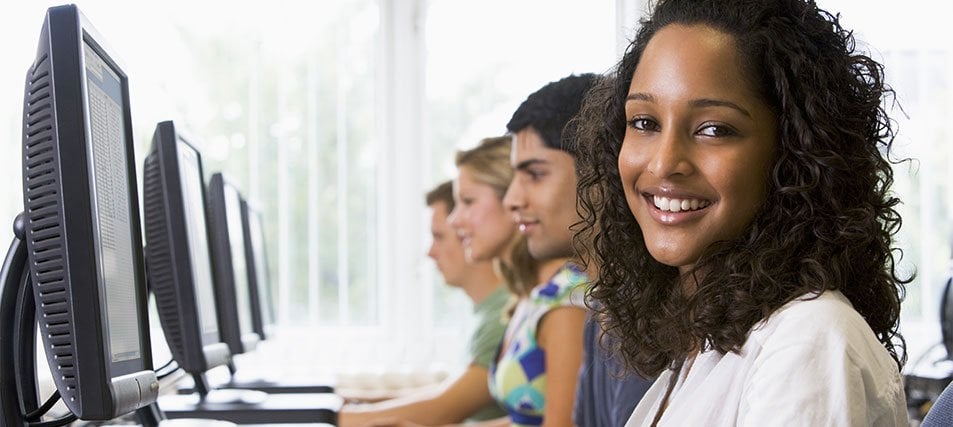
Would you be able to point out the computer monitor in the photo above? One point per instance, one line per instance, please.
(232, 296)
(82, 221)
(177, 251)
(946, 315)
(256, 259)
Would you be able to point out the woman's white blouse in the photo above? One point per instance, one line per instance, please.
(814, 362)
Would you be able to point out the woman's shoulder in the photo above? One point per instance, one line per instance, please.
(819, 346)
(813, 314)
(826, 323)
(566, 287)
(824, 307)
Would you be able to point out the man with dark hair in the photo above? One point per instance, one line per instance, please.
(542, 197)
(543, 192)
(467, 397)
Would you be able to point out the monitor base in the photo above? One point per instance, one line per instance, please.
(196, 422)
(270, 387)
(275, 408)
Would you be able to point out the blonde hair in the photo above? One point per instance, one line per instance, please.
(489, 162)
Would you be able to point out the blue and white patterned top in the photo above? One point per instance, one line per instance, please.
(518, 377)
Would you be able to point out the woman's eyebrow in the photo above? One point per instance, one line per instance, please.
(719, 103)
(697, 103)
(640, 96)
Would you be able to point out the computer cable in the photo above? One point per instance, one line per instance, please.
(35, 414)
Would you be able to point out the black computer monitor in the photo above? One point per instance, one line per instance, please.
(177, 251)
(259, 282)
(232, 296)
(946, 315)
(82, 221)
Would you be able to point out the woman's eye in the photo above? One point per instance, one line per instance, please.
(717, 131)
(643, 124)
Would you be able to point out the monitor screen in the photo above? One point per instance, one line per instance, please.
(193, 188)
(230, 266)
(233, 209)
(262, 280)
(946, 315)
(110, 191)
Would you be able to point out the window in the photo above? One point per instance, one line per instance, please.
(335, 118)
(911, 43)
(282, 99)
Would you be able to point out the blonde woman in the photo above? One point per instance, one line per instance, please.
(481, 220)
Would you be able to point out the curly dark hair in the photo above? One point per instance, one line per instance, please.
(551, 108)
(828, 219)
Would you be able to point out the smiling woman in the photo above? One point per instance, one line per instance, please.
(734, 173)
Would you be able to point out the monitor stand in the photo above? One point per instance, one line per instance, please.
(278, 387)
(195, 422)
(152, 416)
(237, 382)
(276, 408)
(18, 384)
(251, 406)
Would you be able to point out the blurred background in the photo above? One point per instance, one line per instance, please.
(335, 117)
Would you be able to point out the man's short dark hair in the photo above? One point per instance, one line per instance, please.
(442, 193)
(549, 109)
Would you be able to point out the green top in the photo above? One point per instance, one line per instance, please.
(485, 340)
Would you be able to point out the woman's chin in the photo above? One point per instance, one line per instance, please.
(671, 258)
(477, 256)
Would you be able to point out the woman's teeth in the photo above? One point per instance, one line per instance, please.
(679, 205)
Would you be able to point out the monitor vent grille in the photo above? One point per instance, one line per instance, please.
(159, 256)
(44, 228)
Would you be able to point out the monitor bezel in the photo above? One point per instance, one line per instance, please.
(946, 315)
(259, 302)
(195, 350)
(222, 263)
(60, 228)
